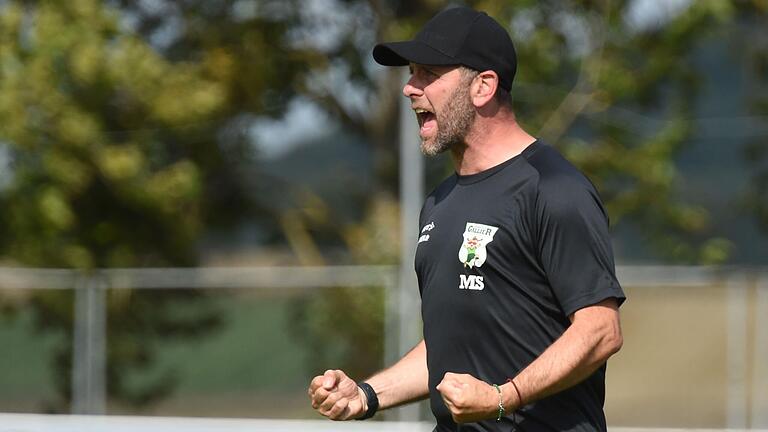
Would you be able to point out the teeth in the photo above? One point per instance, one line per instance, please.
(420, 111)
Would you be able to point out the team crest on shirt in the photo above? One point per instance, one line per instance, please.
(476, 237)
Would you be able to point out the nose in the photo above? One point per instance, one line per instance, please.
(412, 89)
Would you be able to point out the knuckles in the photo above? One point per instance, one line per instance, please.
(337, 403)
(333, 404)
(331, 400)
(320, 395)
(457, 399)
(315, 386)
(338, 408)
(455, 396)
(335, 411)
(452, 376)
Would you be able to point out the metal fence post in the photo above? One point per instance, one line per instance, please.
(736, 413)
(406, 308)
(89, 351)
(760, 359)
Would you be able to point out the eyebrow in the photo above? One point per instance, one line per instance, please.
(428, 68)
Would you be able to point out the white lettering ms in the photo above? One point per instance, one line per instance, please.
(471, 282)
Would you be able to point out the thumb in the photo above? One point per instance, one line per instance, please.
(440, 386)
(330, 379)
(448, 380)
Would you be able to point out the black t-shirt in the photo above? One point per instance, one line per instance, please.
(504, 257)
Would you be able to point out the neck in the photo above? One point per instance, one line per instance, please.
(490, 141)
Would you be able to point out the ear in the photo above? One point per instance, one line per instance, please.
(484, 87)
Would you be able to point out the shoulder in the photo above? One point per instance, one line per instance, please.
(561, 188)
(437, 195)
(442, 190)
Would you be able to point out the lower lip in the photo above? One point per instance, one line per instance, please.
(428, 127)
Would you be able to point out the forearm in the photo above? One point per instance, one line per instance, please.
(579, 352)
(405, 381)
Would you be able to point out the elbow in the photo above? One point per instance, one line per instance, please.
(612, 341)
(607, 340)
(615, 343)
(601, 327)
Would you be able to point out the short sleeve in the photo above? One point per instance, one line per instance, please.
(574, 244)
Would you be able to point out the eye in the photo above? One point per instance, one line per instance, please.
(424, 73)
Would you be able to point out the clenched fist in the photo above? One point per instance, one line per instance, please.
(468, 398)
(337, 396)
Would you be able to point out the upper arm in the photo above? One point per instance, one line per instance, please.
(574, 244)
(604, 311)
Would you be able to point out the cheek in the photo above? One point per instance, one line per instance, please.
(437, 98)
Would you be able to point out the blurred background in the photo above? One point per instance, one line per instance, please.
(205, 203)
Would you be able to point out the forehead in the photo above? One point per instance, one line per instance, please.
(439, 69)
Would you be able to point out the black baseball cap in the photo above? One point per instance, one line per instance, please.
(456, 36)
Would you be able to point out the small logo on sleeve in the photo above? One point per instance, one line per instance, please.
(427, 228)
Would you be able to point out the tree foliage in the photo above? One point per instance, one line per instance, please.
(111, 161)
(124, 131)
(754, 17)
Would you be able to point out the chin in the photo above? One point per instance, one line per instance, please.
(429, 148)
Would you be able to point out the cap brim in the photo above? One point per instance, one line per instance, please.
(403, 53)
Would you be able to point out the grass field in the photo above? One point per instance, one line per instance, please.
(225, 373)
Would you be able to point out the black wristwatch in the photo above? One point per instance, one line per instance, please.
(373, 400)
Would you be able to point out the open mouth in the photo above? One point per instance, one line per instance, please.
(427, 120)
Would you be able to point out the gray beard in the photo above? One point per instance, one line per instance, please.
(453, 123)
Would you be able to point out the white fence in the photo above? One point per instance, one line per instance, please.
(747, 350)
(75, 423)
(88, 372)
(81, 423)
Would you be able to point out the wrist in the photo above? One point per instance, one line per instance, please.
(363, 399)
(512, 398)
(370, 400)
(509, 399)
(496, 406)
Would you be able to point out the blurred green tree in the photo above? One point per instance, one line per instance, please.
(753, 16)
(117, 155)
(124, 132)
